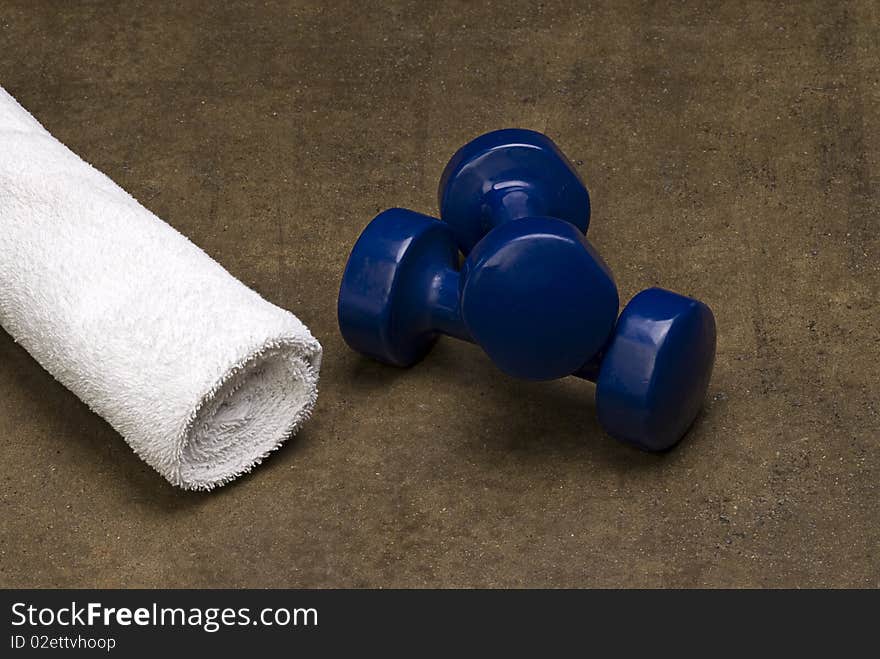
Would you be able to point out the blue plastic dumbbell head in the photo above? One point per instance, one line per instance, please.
(653, 375)
(538, 298)
(506, 175)
(383, 307)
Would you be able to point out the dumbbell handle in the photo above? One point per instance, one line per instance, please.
(445, 307)
(513, 203)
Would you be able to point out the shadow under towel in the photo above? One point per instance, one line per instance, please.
(199, 374)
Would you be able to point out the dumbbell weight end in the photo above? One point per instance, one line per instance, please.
(651, 378)
(399, 288)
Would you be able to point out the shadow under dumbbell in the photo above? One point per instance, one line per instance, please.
(543, 421)
(528, 421)
(370, 375)
(485, 416)
(558, 418)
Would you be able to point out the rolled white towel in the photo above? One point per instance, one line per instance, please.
(199, 374)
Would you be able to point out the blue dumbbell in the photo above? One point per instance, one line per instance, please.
(532, 291)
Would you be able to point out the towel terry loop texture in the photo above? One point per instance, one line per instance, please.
(199, 374)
